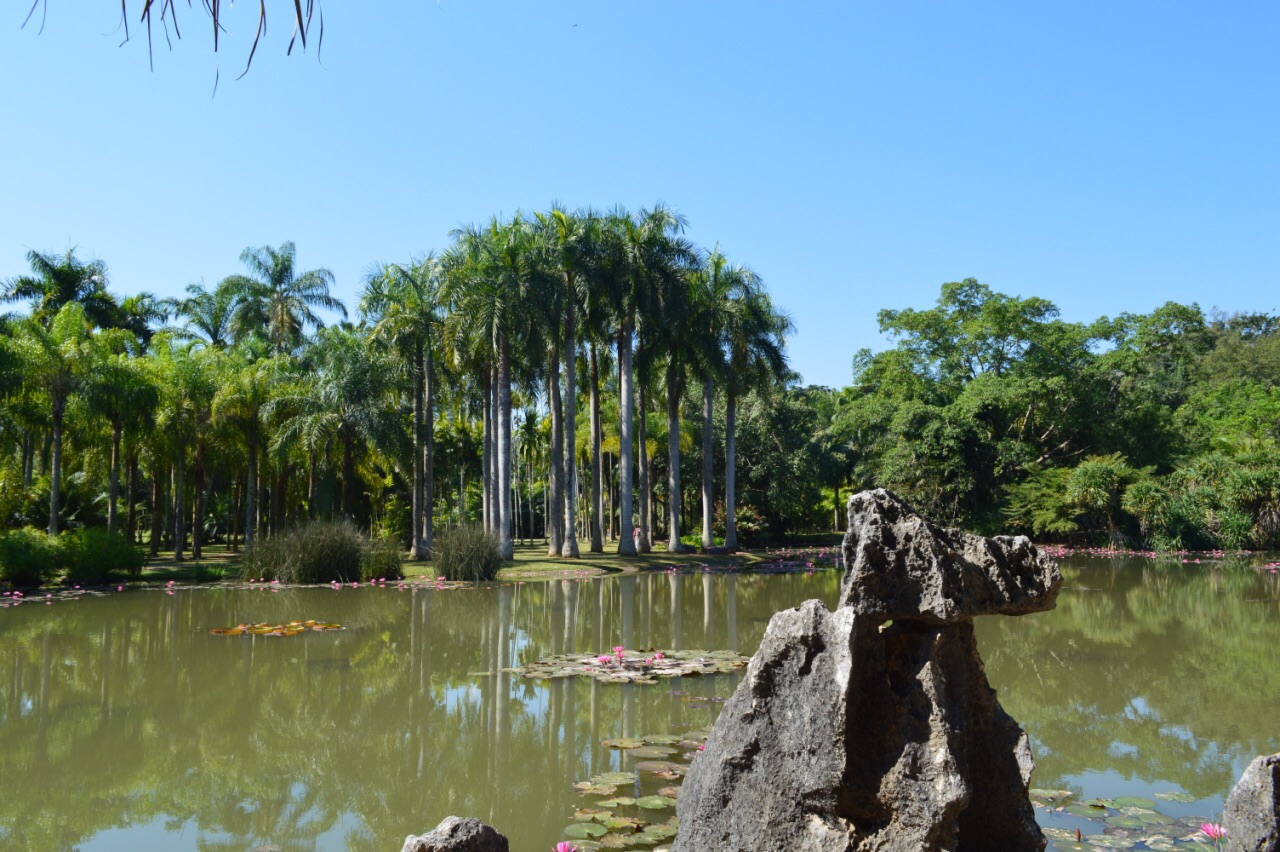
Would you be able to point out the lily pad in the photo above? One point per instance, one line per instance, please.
(620, 802)
(585, 830)
(1091, 811)
(647, 752)
(586, 788)
(1107, 841)
(615, 778)
(661, 739)
(1051, 796)
(656, 803)
(1133, 802)
(656, 766)
(623, 743)
(1176, 796)
(1125, 821)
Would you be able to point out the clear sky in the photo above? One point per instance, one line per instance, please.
(1107, 156)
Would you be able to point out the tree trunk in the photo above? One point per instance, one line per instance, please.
(708, 470)
(428, 453)
(416, 550)
(730, 469)
(312, 463)
(569, 546)
(626, 452)
(348, 477)
(179, 506)
(486, 453)
(113, 487)
(504, 449)
(673, 462)
(28, 458)
(236, 497)
(644, 541)
(55, 468)
(197, 514)
(280, 496)
(250, 493)
(131, 496)
(597, 495)
(157, 509)
(555, 473)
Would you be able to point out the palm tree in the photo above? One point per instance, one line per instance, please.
(58, 281)
(488, 284)
(55, 361)
(405, 306)
(755, 337)
(277, 298)
(345, 397)
(123, 393)
(241, 403)
(187, 392)
(654, 259)
(208, 314)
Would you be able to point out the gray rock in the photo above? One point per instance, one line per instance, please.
(1252, 812)
(899, 565)
(848, 734)
(457, 834)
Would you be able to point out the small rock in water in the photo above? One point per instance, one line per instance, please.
(458, 834)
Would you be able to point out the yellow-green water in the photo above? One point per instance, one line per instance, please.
(125, 725)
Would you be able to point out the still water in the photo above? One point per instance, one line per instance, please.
(125, 725)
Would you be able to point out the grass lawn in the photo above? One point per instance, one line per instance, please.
(531, 562)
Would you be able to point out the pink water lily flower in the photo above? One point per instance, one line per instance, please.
(565, 846)
(1213, 831)
(603, 660)
(618, 649)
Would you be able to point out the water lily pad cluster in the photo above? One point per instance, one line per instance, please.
(623, 666)
(1125, 822)
(290, 628)
(634, 809)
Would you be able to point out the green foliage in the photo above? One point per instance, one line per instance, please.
(467, 553)
(93, 555)
(320, 552)
(28, 557)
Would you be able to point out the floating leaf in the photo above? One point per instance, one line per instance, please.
(656, 803)
(1125, 821)
(1091, 811)
(623, 743)
(651, 751)
(584, 830)
(1107, 841)
(1134, 802)
(620, 802)
(615, 778)
(1176, 796)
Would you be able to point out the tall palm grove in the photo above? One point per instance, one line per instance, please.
(541, 376)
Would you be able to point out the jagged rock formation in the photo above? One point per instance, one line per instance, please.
(1252, 812)
(874, 727)
(457, 834)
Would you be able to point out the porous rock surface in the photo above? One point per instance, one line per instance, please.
(850, 734)
(457, 834)
(1252, 812)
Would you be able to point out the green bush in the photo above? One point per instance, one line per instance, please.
(320, 552)
(93, 555)
(467, 553)
(28, 557)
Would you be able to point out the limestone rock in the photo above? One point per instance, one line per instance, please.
(846, 738)
(457, 834)
(1252, 812)
(899, 565)
(852, 735)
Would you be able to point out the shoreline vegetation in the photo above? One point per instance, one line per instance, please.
(594, 380)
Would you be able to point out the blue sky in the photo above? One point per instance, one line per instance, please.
(1107, 156)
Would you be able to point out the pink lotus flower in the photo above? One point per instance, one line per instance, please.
(1214, 832)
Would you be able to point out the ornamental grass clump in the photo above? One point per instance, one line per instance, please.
(28, 557)
(92, 555)
(467, 553)
(321, 552)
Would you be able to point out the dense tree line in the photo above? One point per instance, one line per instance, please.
(548, 375)
(1156, 430)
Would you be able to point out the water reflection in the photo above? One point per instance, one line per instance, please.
(124, 720)
(126, 725)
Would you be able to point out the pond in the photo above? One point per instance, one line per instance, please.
(125, 724)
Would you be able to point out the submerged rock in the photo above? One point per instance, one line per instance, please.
(1252, 812)
(849, 734)
(457, 834)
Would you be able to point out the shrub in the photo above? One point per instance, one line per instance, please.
(93, 555)
(383, 558)
(320, 552)
(467, 553)
(28, 557)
